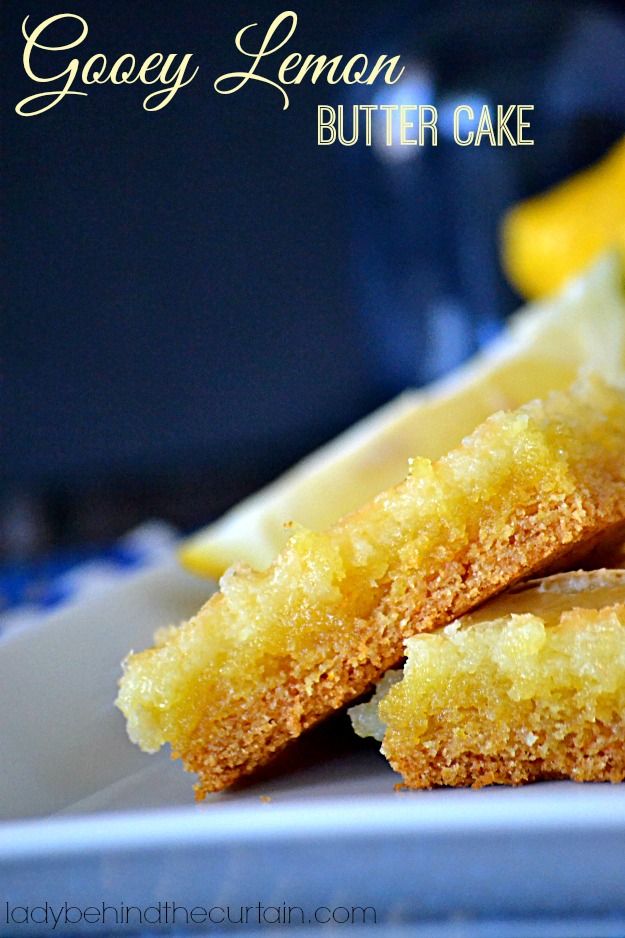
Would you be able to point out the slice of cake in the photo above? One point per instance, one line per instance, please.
(530, 686)
(275, 652)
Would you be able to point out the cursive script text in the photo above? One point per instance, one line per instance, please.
(295, 67)
(157, 69)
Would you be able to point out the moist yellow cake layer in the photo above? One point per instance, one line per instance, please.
(530, 686)
(274, 652)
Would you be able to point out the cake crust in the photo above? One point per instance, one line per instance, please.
(275, 652)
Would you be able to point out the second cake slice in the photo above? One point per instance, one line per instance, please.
(529, 686)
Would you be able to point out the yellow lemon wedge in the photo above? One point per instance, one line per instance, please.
(542, 348)
(553, 236)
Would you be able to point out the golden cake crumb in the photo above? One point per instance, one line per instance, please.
(273, 653)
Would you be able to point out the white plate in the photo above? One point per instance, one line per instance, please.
(89, 819)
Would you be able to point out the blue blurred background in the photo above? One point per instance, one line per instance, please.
(195, 298)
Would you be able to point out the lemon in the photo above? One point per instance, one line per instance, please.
(542, 348)
(548, 239)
